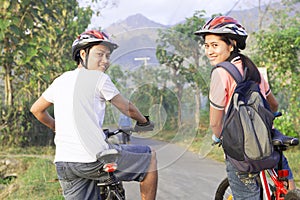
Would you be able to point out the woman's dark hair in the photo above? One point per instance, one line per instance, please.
(252, 72)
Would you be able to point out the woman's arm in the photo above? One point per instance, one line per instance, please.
(216, 121)
(272, 102)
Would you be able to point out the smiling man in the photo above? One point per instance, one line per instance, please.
(79, 98)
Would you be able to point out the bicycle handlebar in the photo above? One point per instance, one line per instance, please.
(277, 114)
(109, 133)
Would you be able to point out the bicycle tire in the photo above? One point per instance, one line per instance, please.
(293, 195)
(223, 191)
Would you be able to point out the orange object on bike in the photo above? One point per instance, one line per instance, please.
(110, 167)
(283, 173)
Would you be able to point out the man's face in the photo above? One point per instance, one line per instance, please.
(98, 59)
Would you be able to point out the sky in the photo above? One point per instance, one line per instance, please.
(167, 12)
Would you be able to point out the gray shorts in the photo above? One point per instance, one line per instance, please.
(79, 180)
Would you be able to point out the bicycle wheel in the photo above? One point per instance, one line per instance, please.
(224, 191)
(293, 195)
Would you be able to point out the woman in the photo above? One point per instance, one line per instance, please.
(224, 37)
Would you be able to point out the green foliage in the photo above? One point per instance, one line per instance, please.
(179, 50)
(6, 181)
(149, 94)
(37, 180)
(285, 124)
(35, 42)
(278, 50)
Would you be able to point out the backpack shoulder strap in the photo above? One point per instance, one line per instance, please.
(232, 70)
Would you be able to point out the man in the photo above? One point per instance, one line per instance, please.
(79, 98)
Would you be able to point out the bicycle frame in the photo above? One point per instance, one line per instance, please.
(278, 180)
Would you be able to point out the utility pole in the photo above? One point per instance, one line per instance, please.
(143, 59)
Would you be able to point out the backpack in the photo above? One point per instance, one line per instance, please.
(247, 127)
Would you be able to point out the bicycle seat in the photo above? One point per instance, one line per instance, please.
(279, 139)
(108, 156)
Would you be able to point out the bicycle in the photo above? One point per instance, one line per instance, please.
(111, 188)
(274, 188)
(127, 132)
(125, 137)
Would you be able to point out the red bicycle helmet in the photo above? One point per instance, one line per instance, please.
(90, 38)
(227, 26)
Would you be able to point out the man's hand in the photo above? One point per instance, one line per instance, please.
(147, 126)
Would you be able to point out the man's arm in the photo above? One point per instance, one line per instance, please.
(39, 110)
(127, 108)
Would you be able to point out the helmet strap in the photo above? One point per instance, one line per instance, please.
(85, 64)
(82, 63)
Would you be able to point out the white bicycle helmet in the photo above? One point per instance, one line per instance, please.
(88, 39)
(224, 25)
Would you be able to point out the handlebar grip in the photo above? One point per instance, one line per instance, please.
(277, 114)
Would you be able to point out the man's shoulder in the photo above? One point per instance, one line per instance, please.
(67, 73)
(95, 73)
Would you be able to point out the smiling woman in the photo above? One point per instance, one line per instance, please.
(224, 38)
(216, 49)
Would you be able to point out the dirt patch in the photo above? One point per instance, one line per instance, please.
(9, 170)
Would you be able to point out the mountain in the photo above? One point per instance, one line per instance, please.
(136, 37)
(136, 21)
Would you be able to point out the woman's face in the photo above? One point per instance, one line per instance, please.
(216, 49)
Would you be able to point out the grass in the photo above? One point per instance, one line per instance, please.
(36, 176)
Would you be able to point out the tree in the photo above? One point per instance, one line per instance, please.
(179, 50)
(35, 42)
(152, 96)
(278, 50)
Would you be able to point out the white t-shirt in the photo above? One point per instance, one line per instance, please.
(79, 98)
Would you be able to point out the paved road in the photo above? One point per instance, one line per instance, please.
(182, 174)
